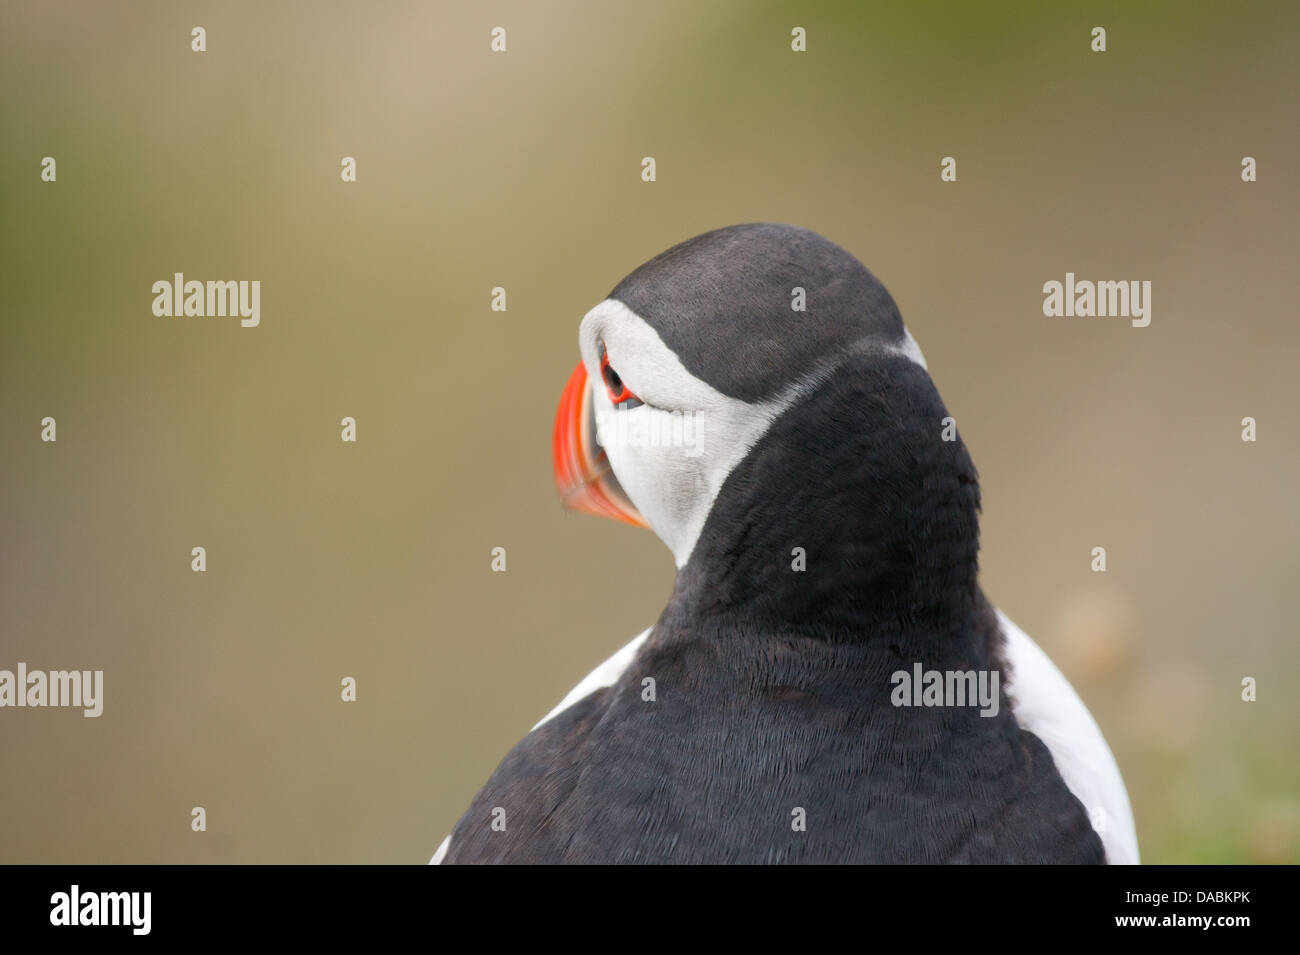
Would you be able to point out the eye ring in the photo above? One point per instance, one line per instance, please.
(617, 390)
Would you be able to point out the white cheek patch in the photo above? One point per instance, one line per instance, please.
(672, 454)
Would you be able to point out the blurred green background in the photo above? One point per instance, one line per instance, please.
(522, 170)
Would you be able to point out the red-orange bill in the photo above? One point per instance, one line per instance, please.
(583, 476)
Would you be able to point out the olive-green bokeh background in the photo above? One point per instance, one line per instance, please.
(522, 170)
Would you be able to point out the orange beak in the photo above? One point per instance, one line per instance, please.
(583, 475)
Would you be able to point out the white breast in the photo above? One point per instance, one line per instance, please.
(1047, 706)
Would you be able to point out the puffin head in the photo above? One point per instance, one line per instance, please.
(751, 391)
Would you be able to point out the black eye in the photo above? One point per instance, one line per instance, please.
(618, 392)
(611, 378)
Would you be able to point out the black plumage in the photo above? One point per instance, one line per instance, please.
(773, 685)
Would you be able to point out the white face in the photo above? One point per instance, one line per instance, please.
(671, 453)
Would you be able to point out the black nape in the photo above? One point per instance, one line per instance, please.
(858, 475)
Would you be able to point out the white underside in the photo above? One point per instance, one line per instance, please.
(1044, 703)
(606, 674)
(441, 852)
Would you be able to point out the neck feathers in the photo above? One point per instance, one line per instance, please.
(851, 516)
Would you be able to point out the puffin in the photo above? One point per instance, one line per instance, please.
(752, 397)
